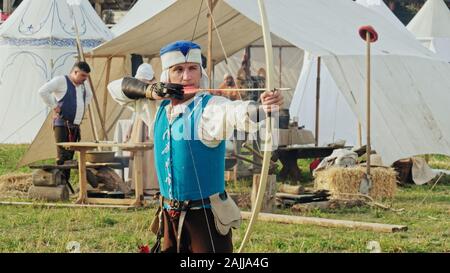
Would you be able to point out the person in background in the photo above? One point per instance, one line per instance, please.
(68, 97)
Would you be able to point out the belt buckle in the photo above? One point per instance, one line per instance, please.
(175, 204)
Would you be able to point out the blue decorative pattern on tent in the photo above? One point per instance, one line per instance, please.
(86, 43)
(38, 61)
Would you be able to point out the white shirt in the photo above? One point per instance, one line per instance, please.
(56, 89)
(220, 117)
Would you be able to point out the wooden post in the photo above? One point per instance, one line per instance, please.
(359, 134)
(210, 26)
(105, 96)
(82, 176)
(317, 103)
(7, 6)
(92, 123)
(368, 102)
(280, 65)
(235, 168)
(94, 95)
(98, 7)
(269, 196)
(301, 220)
(137, 176)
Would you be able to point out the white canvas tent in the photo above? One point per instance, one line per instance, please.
(431, 26)
(291, 57)
(37, 43)
(336, 119)
(410, 84)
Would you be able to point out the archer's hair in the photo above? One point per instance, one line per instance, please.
(83, 66)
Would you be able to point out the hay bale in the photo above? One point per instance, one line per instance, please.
(15, 185)
(343, 183)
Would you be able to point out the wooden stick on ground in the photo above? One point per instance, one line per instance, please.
(426, 196)
(64, 205)
(289, 219)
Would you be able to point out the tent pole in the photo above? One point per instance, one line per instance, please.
(94, 95)
(7, 6)
(210, 25)
(98, 7)
(317, 102)
(359, 134)
(91, 122)
(105, 95)
(368, 149)
(279, 59)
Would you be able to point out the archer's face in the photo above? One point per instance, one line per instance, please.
(187, 74)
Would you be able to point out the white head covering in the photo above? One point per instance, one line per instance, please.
(181, 52)
(145, 71)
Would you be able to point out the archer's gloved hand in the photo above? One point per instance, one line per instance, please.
(136, 89)
(167, 90)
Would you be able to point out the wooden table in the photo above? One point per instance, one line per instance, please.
(288, 157)
(138, 153)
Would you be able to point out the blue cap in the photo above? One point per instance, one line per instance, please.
(180, 52)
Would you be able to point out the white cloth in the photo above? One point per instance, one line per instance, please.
(54, 90)
(219, 119)
(421, 172)
(339, 158)
(145, 71)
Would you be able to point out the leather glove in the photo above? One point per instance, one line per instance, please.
(167, 90)
(136, 89)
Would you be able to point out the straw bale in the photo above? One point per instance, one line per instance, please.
(15, 184)
(343, 183)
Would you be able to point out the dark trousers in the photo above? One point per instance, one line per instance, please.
(62, 135)
(195, 237)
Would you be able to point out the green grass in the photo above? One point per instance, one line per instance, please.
(39, 229)
(9, 157)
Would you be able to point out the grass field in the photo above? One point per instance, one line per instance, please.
(39, 229)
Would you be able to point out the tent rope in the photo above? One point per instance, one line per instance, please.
(196, 22)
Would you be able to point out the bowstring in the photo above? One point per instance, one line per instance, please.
(201, 195)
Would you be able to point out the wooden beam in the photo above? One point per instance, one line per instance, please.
(323, 222)
(138, 177)
(210, 26)
(316, 142)
(110, 201)
(82, 177)
(98, 7)
(94, 96)
(7, 6)
(281, 67)
(92, 122)
(63, 205)
(214, 4)
(105, 96)
(359, 134)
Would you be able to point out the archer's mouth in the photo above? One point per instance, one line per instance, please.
(190, 89)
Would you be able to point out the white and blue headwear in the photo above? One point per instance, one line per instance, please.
(181, 52)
